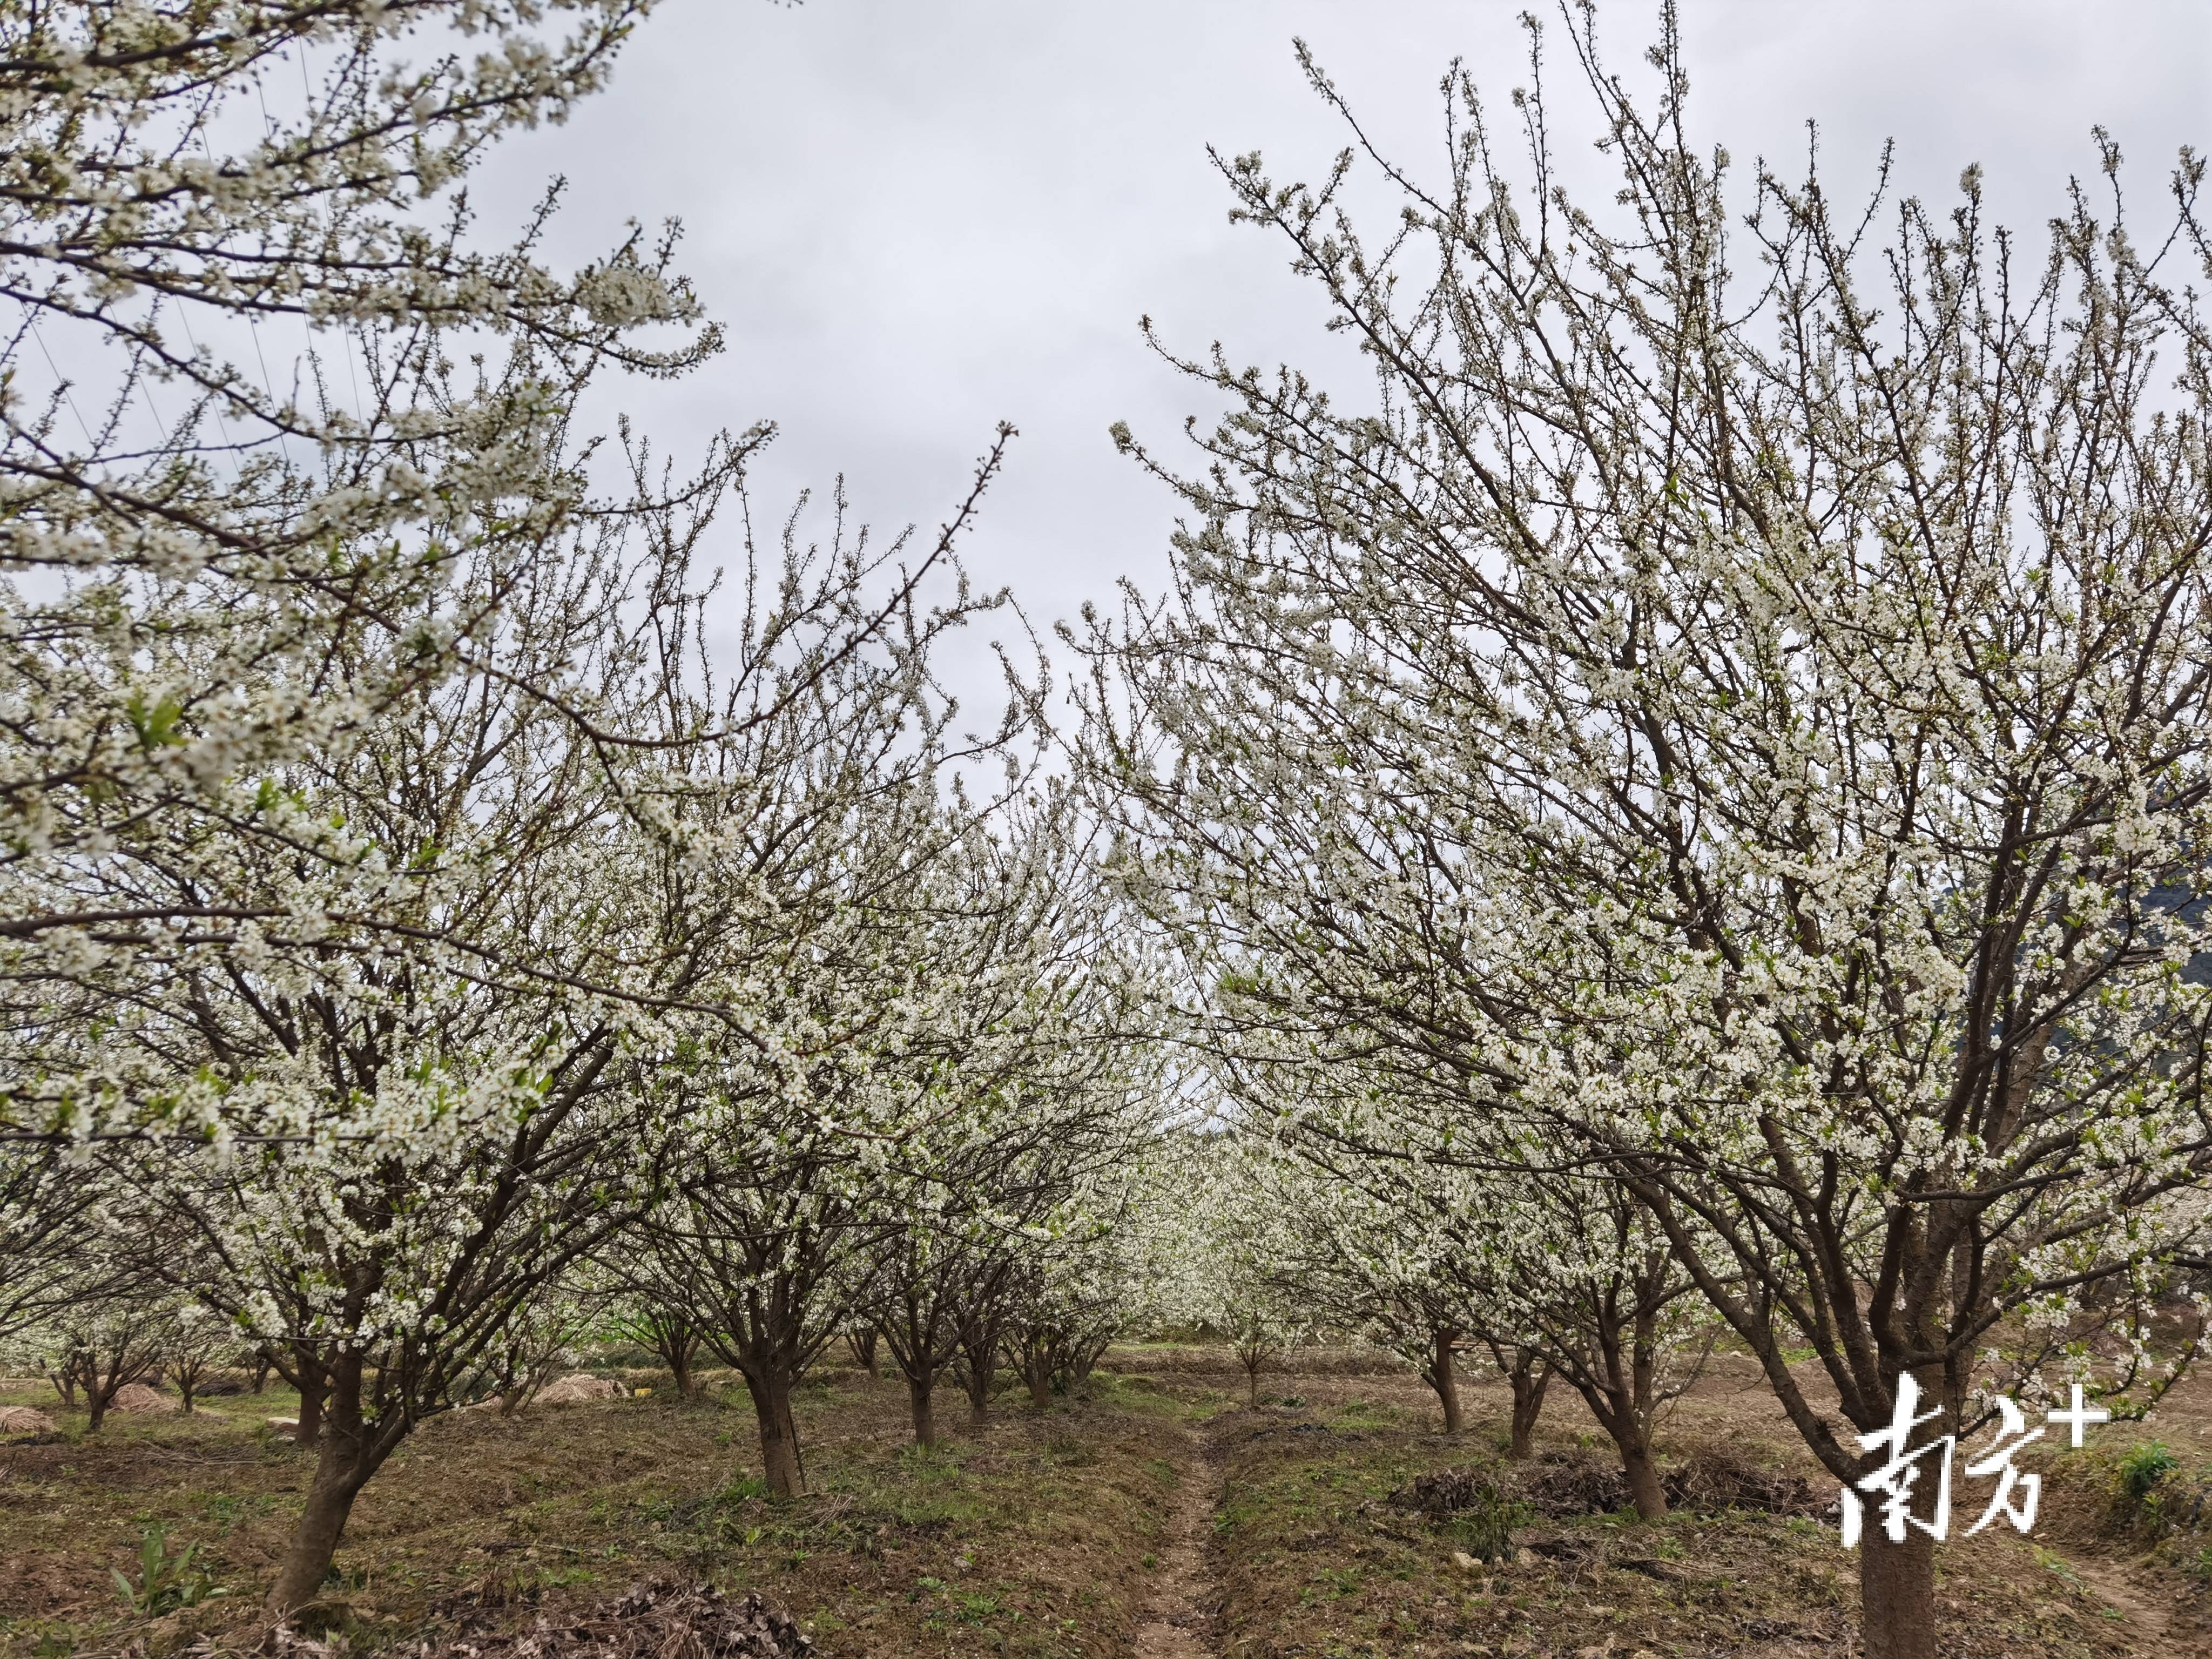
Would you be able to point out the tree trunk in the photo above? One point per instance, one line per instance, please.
(1529, 1381)
(1632, 1438)
(1445, 1382)
(1897, 1595)
(680, 1367)
(861, 1345)
(918, 1390)
(978, 1338)
(1038, 1373)
(312, 1378)
(314, 1543)
(1642, 1472)
(96, 1403)
(779, 1435)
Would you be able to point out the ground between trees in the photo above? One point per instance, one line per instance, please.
(1048, 1533)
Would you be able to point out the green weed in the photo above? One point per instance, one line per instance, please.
(2143, 1467)
(1484, 1528)
(166, 1582)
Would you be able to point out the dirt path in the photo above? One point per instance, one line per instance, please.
(2146, 1621)
(1178, 1614)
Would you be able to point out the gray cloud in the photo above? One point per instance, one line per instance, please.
(917, 219)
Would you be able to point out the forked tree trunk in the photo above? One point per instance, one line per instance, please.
(1617, 1388)
(975, 1379)
(680, 1367)
(978, 1338)
(1897, 1595)
(101, 1384)
(1444, 1381)
(1079, 1367)
(308, 1373)
(918, 1390)
(1036, 1371)
(677, 1345)
(1632, 1439)
(861, 1345)
(781, 1465)
(1529, 1380)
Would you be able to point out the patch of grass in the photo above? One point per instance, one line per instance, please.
(227, 1509)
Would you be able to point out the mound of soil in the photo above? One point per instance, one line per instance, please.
(582, 1386)
(658, 1620)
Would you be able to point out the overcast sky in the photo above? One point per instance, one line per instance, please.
(917, 217)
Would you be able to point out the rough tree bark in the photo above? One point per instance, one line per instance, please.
(919, 1392)
(675, 1341)
(781, 1467)
(1897, 1594)
(975, 1379)
(306, 1373)
(679, 1368)
(978, 1327)
(1620, 1398)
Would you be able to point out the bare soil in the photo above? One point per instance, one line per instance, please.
(1179, 1613)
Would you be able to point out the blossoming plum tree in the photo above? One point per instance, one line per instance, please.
(1734, 698)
